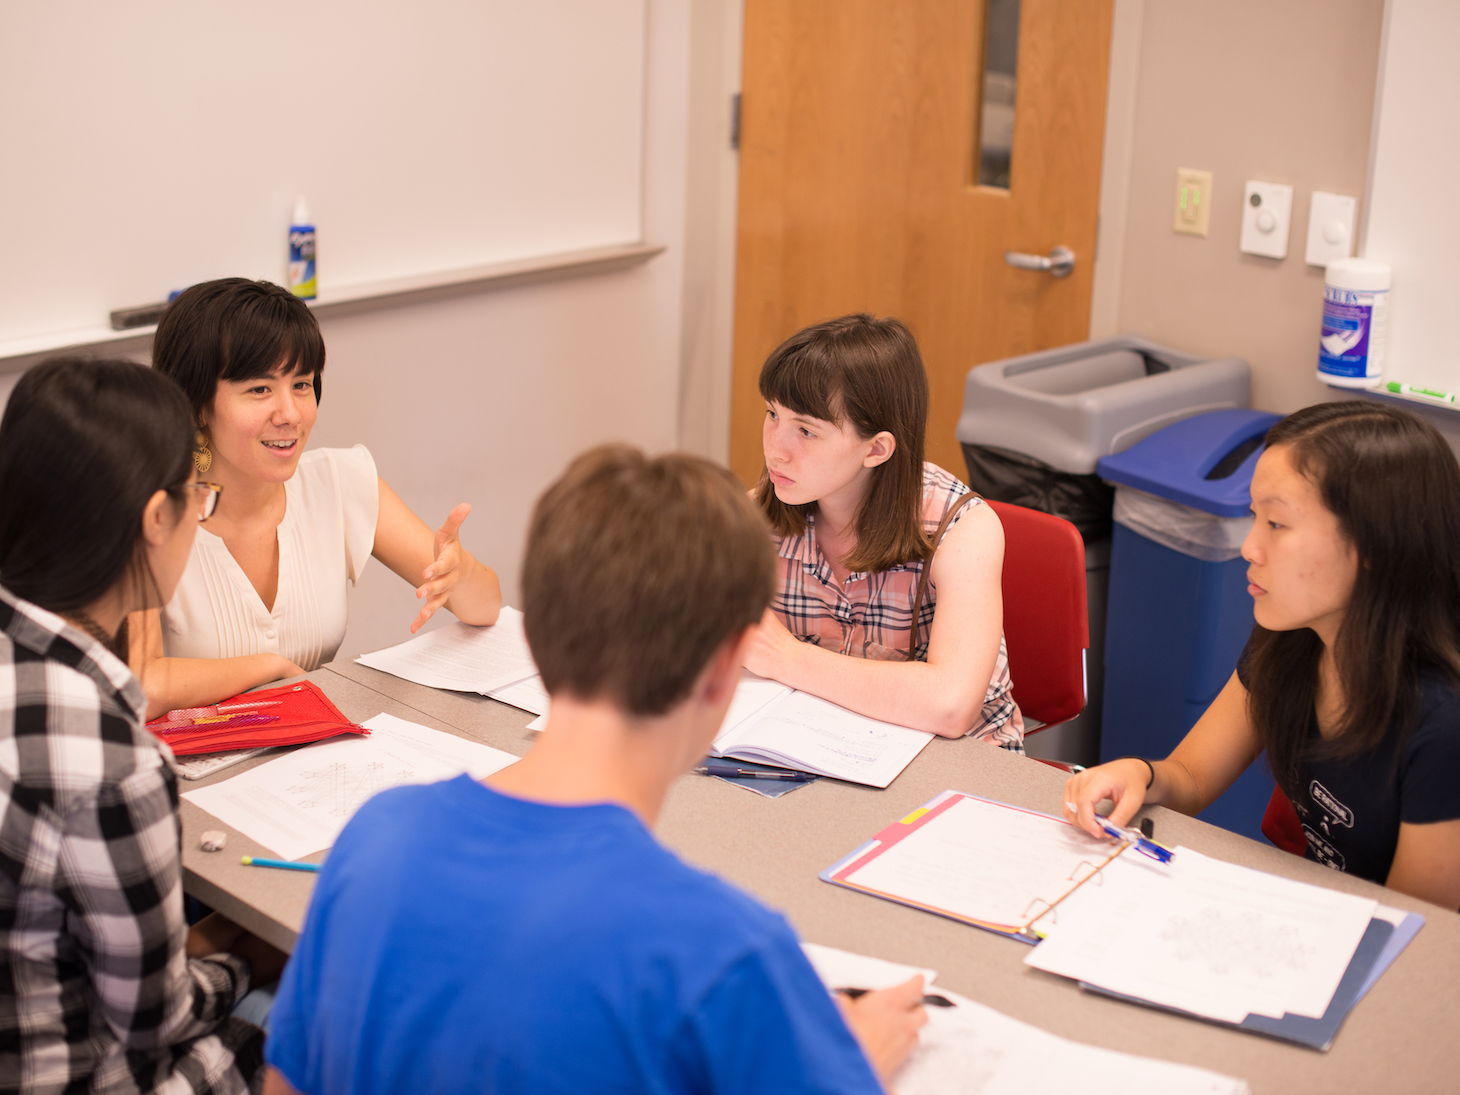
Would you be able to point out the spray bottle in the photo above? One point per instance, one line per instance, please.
(301, 252)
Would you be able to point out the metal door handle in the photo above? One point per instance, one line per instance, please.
(1058, 262)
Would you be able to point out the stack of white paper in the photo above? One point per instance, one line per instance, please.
(971, 1049)
(299, 802)
(529, 695)
(461, 657)
(1208, 937)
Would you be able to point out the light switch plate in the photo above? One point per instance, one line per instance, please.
(1267, 215)
(1330, 228)
(1193, 201)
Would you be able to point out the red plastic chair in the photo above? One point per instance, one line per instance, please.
(1046, 626)
(1280, 824)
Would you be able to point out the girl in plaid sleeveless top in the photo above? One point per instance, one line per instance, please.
(855, 512)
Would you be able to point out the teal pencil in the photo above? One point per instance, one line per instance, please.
(285, 864)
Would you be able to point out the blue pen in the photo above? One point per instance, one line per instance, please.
(285, 864)
(1135, 838)
(731, 771)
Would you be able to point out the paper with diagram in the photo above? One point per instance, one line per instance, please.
(461, 657)
(971, 1049)
(298, 803)
(1210, 938)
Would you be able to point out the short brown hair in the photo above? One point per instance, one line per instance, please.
(868, 372)
(637, 570)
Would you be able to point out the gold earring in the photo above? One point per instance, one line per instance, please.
(202, 457)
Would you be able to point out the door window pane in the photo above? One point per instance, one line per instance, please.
(1000, 69)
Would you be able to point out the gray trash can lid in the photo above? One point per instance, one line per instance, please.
(1205, 462)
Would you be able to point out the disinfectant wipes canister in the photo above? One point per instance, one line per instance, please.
(1355, 318)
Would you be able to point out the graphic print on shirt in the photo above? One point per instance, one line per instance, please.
(1331, 813)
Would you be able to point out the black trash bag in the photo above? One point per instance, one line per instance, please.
(1085, 501)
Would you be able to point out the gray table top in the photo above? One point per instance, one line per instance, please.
(1398, 1038)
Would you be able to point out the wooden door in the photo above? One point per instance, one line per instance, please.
(859, 187)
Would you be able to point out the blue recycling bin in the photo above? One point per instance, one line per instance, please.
(1179, 612)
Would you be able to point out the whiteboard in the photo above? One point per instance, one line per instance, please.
(1410, 222)
(152, 144)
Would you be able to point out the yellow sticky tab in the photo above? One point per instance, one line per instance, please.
(919, 812)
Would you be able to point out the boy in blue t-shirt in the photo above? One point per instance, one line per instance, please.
(529, 934)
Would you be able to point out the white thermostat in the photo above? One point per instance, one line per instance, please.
(1330, 228)
(1267, 215)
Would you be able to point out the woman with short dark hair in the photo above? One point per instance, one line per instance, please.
(265, 594)
(862, 524)
(106, 989)
(1351, 680)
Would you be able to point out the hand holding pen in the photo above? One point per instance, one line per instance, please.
(886, 1022)
(1139, 841)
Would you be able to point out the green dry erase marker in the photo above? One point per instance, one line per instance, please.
(1424, 393)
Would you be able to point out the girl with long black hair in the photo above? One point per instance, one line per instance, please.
(106, 989)
(1351, 680)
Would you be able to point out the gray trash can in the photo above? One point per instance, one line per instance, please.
(1032, 430)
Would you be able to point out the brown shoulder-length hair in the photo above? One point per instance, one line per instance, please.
(1394, 485)
(868, 372)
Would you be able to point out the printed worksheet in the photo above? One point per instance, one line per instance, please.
(971, 1049)
(1211, 938)
(298, 803)
(528, 695)
(461, 657)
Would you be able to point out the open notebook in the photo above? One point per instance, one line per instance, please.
(773, 724)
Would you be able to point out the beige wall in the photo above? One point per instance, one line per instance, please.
(1246, 89)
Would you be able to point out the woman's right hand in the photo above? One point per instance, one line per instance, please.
(1122, 781)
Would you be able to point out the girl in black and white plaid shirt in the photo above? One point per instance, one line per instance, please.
(99, 989)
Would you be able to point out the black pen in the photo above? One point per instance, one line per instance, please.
(752, 773)
(932, 999)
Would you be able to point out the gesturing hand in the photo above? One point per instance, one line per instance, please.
(441, 577)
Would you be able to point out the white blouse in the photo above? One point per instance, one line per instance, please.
(331, 505)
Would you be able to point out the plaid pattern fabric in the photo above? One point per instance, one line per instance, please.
(96, 992)
(871, 615)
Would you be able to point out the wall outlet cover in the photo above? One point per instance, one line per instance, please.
(1267, 216)
(1193, 201)
(1330, 228)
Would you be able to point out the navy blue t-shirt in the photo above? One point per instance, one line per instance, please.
(461, 940)
(1351, 807)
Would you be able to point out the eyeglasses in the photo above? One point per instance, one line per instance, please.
(210, 493)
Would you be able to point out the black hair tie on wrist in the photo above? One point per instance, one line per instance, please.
(1148, 764)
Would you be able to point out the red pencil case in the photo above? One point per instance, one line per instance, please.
(304, 713)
